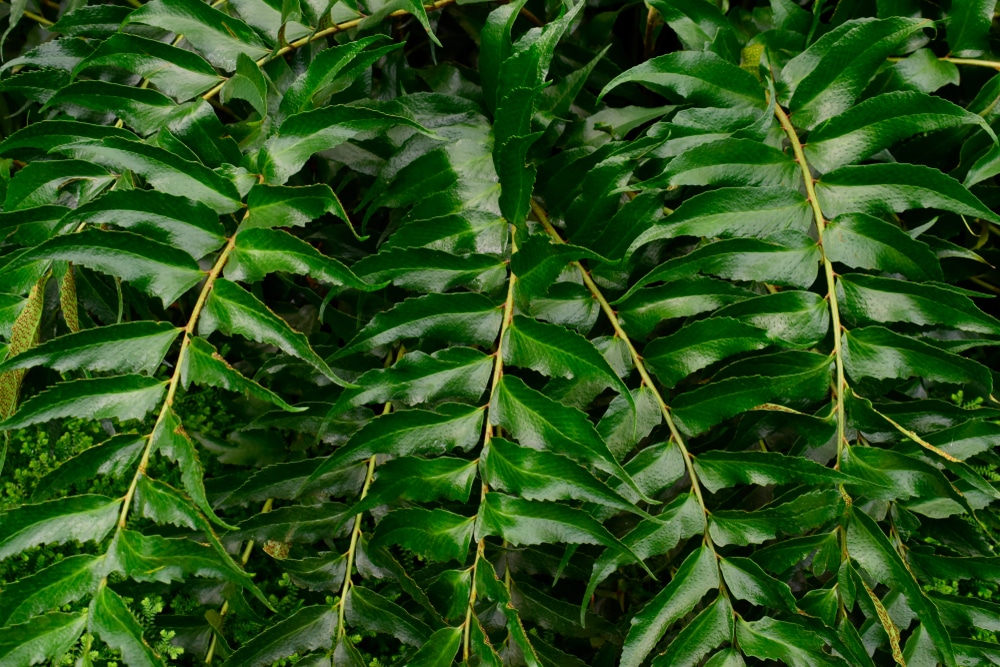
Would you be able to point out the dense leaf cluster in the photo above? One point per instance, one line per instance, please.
(551, 333)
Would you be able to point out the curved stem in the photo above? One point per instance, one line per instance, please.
(353, 549)
(640, 366)
(326, 32)
(831, 281)
(508, 318)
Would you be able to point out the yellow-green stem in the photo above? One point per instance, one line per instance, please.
(352, 550)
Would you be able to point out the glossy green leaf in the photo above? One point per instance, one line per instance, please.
(62, 582)
(142, 109)
(701, 344)
(709, 629)
(440, 649)
(40, 183)
(430, 270)
(720, 470)
(115, 458)
(49, 134)
(746, 581)
(82, 518)
(864, 242)
(122, 397)
(287, 206)
(41, 639)
(307, 629)
(645, 309)
(233, 310)
(417, 479)
(113, 622)
(151, 558)
(437, 535)
(968, 27)
(247, 83)
(807, 511)
(793, 645)
(204, 366)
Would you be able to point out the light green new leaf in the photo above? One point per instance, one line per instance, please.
(721, 469)
(431, 270)
(287, 206)
(114, 458)
(164, 170)
(543, 475)
(410, 433)
(367, 609)
(757, 212)
(881, 189)
(82, 518)
(233, 310)
(696, 77)
(695, 577)
(462, 318)
(458, 373)
(861, 241)
(122, 397)
(261, 252)
(177, 221)
(131, 347)
(527, 522)
(64, 581)
(770, 639)
(879, 353)
(437, 535)
(880, 122)
(308, 629)
(42, 639)
(867, 298)
(142, 109)
(304, 134)
(216, 35)
(175, 71)
(870, 547)
(825, 79)
(708, 630)
(968, 27)
(793, 262)
(203, 365)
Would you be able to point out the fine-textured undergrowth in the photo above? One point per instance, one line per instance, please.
(541, 333)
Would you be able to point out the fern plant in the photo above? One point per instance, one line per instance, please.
(553, 334)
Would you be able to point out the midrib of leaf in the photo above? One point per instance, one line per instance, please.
(508, 318)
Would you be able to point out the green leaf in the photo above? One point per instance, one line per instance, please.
(919, 486)
(286, 206)
(538, 262)
(43, 638)
(880, 122)
(872, 550)
(247, 83)
(142, 109)
(698, 78)
(151, 558)
(170, 440)
(430, 270)
(437, 535)
(870, 299)
(746, 581)
(40, 183)
(878, 353)
(968, 27)
(164, 170)
(732, 162)
(307, 629)
(440, 649)
(825, 79)
(789, 318)
(218, 36)
(304, 134)
(178, 221)
(861, 241)
(757, 212)
(645, 309)
(800, 376)
(808, 511)
(175, 71)
(695, 577)
(526, 522)
(112, 621)
(368, 609)
(882, 189)
(771, 639)
(123, 397)
(203, 365)
(699, 26)
(461, 318)
(49, 134)
(699, 345)
(495, 48)
(115, 458)
(260, 252)
(233, 310)
(95, 21)
(416, 479)
(458, 373)
(793, 262)
(131, 347)
(543, 475)
(709, 629)
(541, 423)
(64, 581)
(720, 470)
(410, 432)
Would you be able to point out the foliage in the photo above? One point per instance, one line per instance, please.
(533, 334)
